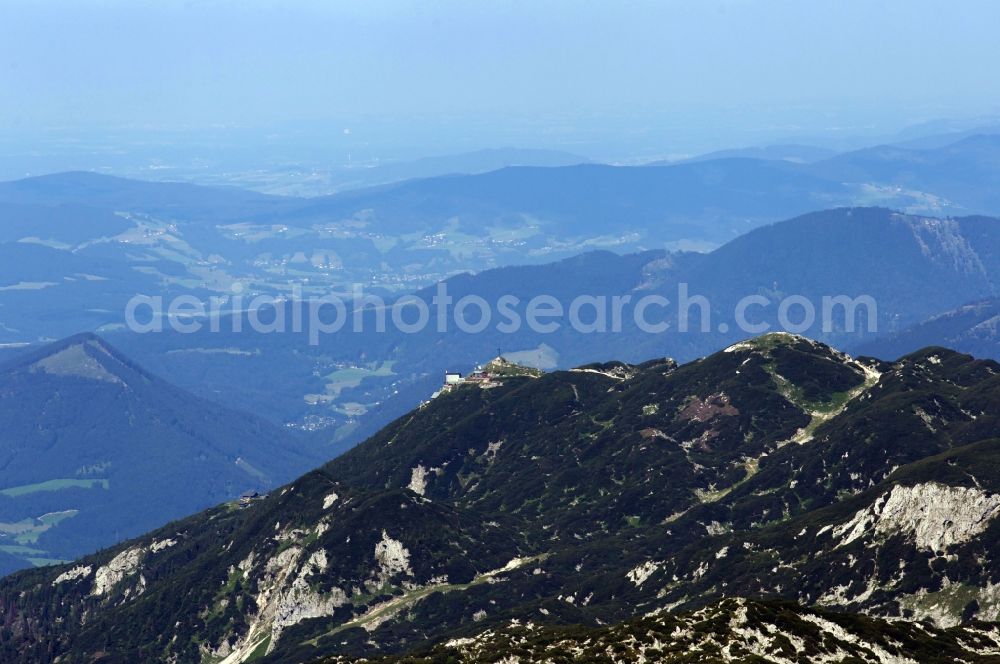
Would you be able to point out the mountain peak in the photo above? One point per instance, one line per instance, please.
(86, 358)
(84, 355)
(767, 344)
(501, 366)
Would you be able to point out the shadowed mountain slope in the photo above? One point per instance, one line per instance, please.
(94, 449)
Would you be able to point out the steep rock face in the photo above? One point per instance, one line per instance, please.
(778, 468)
(942, 241)
(936, 516)
(119, 568)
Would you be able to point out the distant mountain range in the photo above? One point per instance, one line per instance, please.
(77, 246)
(707, 200)
(115, 194)
(590, 204)
(394, 238)
(973, 328)
(351, 384)
(94, 449)
(599, 505)
(800, 154)
(949, 178)
(467, 163)
(312, 175)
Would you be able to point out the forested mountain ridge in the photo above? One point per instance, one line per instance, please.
(95, 449)
(590, 496)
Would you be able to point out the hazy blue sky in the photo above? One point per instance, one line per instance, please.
(542, 65)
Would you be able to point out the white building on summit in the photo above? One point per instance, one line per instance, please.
(489, 375)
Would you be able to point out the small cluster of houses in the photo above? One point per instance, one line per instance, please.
(485, 376)
(453, 379)
(477, 377)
